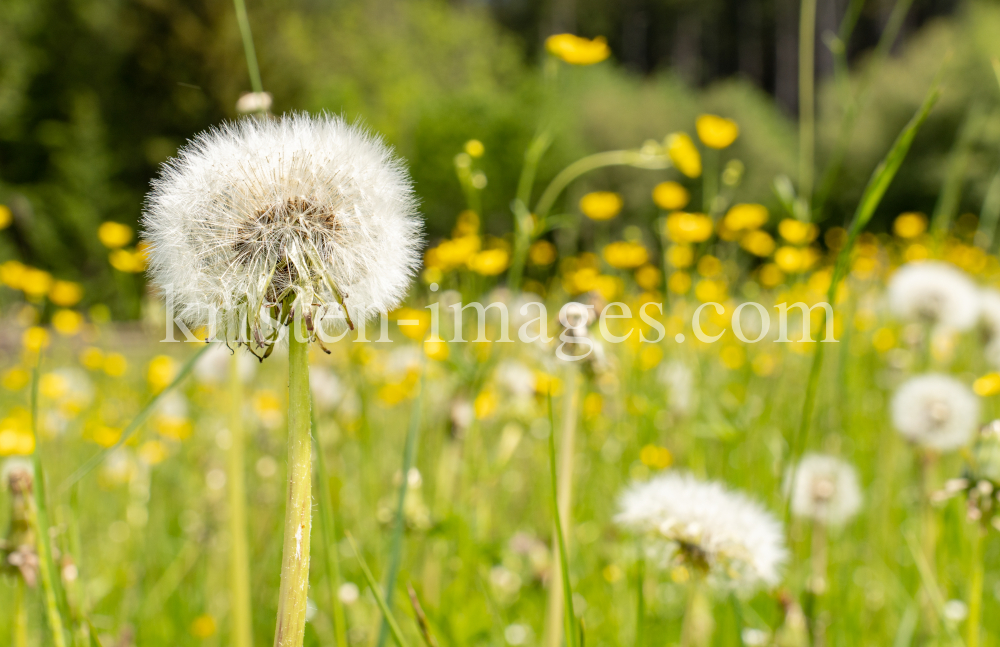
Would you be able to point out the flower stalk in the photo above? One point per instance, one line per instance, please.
(975, 587)
(294, 589)
(241, 622)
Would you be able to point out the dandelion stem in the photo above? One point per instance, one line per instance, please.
(248, 48)
(291, 623)
(975, 587)
(698, 625)
(640, 602)
(241, 623)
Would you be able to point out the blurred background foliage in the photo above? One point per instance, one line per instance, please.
(94, 95)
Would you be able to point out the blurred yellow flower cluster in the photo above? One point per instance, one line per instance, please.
(601, 205)
(577, 50)
(16, 438)
(582, 274)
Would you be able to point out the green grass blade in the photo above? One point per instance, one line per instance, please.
(40, 520)
(133, 426)
(571, 634)
(397, 633)
(880, 180)
(398, 533)
(329, 525)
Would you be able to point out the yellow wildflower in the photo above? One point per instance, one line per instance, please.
(797, 232)
(716, 132)
(680, 256)
(683, 227)
(35, 283)
(490, 262)
(161, 372)
(577, 50)
(92, 358)
(115, 364)
(684, 154)
(650, 356)
(910, 225)
(130, 262)
(114, 235)
(758, 243)
(452, 253)
(65, 293)
(542, 252)
(709, 266)
(601, 205)
(11, 274)
(153, 452)
(203, 627)
(987, 385)
(648, 277)
(789, 259)
(708, 290)
(770, 275)
(764, 364)
(67, 322)
(35, 338)
(474, 148)
(733, 357)
(608, 287)
(6, 216)
(679, 283)
(671, 196)
(436, 349)
(485, 404)
(412, 323)
(467, 224)
(741, 217)
(593, 404)
(15, 379)
(883, 340)
(656, 457)
(625, 255)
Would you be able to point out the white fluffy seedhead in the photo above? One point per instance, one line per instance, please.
(935, 292)
(297, 211)
(935, 411)
(825, 489)
(740, 543)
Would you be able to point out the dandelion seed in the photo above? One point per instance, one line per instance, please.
(935, 411)
(935, 292)
(704, 526)
(825, 489)
(300, 211)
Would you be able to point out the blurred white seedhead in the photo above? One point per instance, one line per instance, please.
(934, 292)
(935, 411)
(213, 367)
(681, 391)
(825, 489)
(707, 528)
(327, 389)
(250, 102)
(260, 218)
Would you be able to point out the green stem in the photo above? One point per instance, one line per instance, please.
(710, 180)
(975, 587)
(807, 97)
(294, 590)
(329, 525)
(698, 624)
(20, 615)
(640, 602)
(241, 627)
(398, 533)
(248, 48)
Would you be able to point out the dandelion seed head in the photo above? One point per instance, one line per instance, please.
(702, 523)
(825, 489)
(935, 411)
(301, 209)
(936, 292)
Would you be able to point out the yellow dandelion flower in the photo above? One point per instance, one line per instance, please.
(153, 452)
(67, 322)
(577, 50)
(671, 196)
(758, 243)
(92, 358)
(412, 323)
(650, 356)
(684, 154)
(987, 385)
(593, 405)
(709, 266)
(680, 256)
(35, 338)
(114, 235)
(490, 262)
(474, 148)
(203, 627)
(130, 262)
(708, 290)
(11, 274)
(763, 365)
(15, 379)
(160, 372)
(601, 205)
(683, 227)
(716, 132)
(910, 225)
(679, 283)
(608, 287)
(485, 404)
(733, 357)
(467, 224)
(453, 253)
(648, 277)
(35, 283)
(115, 364)
(436, 349)
(542, 252)
(770, 275)
(884, 340)
(797, 232)
(6, 216)
(65, 293)
(789, 259)
(741, 217)
(625, 255)
(656, 457)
